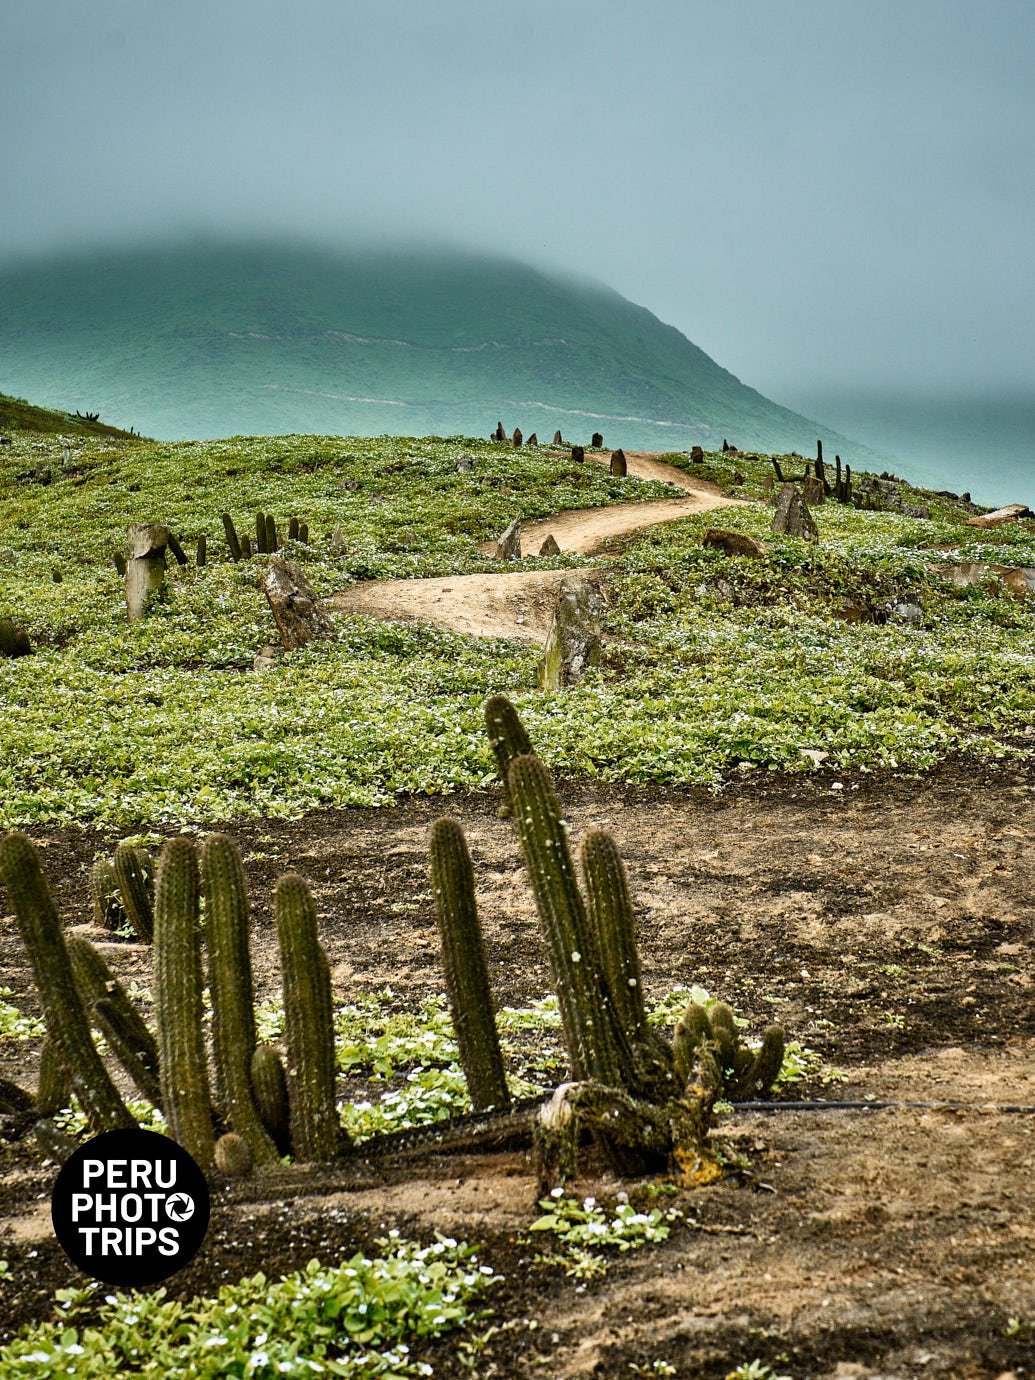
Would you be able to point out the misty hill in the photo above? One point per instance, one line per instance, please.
(212, 338)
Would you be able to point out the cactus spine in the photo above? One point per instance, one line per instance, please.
(466, 971)
(269, 1085)
(230, 985)
(63, 1010)
(231, 538)
(131, 872)
(308, 1022)
(178, 1000)
(106, 1000)
(586, 1012)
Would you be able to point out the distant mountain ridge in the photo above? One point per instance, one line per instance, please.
(212, 338)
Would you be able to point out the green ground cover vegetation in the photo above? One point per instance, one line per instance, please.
(716, 664)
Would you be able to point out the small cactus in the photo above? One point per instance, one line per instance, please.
(269, 1085)
(202, 550)
(63, 1010)
(303, 533)
(246, 547)
(742, 1072)
(293, 529)
(227, 924)
(231, 538)
(132, 871)
(271, 535)
(463, 957)
(308, 1024)
(14, 641)
(233, 1156)
(179, 1006)
(108, 911)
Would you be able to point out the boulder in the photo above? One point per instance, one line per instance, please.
(1000, 516)
(596, 441)
(516, 438)
(697, 455)
(499, 434)
(297, 609)
(813, 491)
(619, 468)
(558, 439)
(573, 643)
(734, 543)
(792, 517)
(912, 615)
(508, 548)
(549, 546)
(464, 464)
(267, 657)
(337, 543)
(578, 453)
(533, 440)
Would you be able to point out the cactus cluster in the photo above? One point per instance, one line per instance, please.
(14, 641)
(643, 1091)
(253, 1110)
(265, 542)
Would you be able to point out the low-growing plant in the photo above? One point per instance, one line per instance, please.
(589, 1232)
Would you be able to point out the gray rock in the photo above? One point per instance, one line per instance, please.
(619, 468)
(508, 548)
(267, 657)
(297, 609)
(792, 517)
(549, 546)
(912, 615)
(464, 464)
(734, 543)
(145, 569)
(697, 455)
(573, 643)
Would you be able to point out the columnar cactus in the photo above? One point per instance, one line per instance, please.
(303, 533)
(132, 873)
(202, 550)
(308, 1024)
(293, 529)
(179, 1007)
(232, 538)
(507, 737)
(269, 1086)
(63, 1009)
(611, 912)
(260, 534)
(52, 1085)
(14, 641)
(466, 971)
(587, 1012)
(230, 985)
(710, 1037)
(271, 534)
(107, 1001)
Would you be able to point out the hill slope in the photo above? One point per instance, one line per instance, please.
(18, 415)
(212, 338)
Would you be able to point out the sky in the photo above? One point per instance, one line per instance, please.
(823, 195)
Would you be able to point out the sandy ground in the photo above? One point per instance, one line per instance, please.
(521, 604)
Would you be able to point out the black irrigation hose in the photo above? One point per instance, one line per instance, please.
(1003, 1108)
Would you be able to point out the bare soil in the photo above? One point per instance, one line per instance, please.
(520, 603)
(886, 924)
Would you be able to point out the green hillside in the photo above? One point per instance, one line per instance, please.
(213, 338)
(18, 415)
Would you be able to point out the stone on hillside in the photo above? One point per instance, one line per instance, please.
(298, 610)
(573, 643)
(337, 543)
(578, 453)
(549, 546)
(792, 517)
(813, 491)
(734, 543)
(619, 468)
(499, 434)
(145, 568)
(558, 439)
(464, 464)
(696, 455)
(508, 548)
(596, 441)
(768, 485)
(516, 438)
(1000, 516)
(912, 615)
(533, 440)
(267, 657)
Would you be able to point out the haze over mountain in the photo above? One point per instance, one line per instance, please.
(210, 338)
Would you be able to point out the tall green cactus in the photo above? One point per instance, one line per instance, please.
(271, 534)
(232, 539)
(52, 1085)
(507, 737)
(260, 534)
(308, 1024)
(611, 911)
(227, 924)
(179, 1006)
(131, 871)
(116, 1017)
(587, 1013)
(466, 971)
(63, 1009)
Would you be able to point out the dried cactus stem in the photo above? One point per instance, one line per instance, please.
(308, 1024)
(178, 980)
(63, 1010)
(466, 971)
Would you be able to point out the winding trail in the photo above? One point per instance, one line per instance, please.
(520, 603)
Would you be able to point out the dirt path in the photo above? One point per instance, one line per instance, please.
(519, 604)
